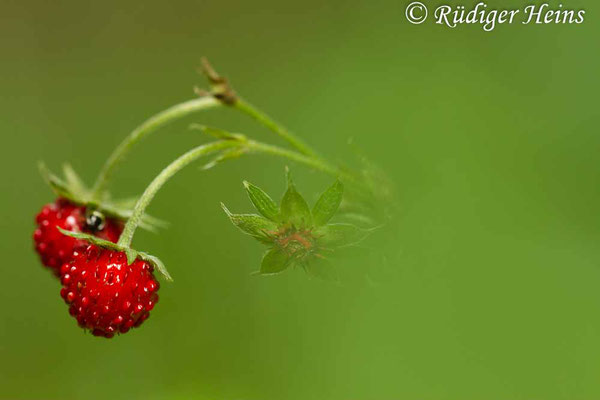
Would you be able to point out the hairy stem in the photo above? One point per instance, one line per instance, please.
(175, 112)
(161, 179)
(309, 161)
(265, 120)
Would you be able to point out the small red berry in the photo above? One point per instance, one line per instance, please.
(106, 295)
(56, 249)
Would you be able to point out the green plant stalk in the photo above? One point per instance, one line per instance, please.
(161, 179)
(316, 163)
(150, 125)
(179, 111)
(206, 149)
(265, 120)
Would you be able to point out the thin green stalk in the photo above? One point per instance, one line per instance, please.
(264, 119)
(175, 112)
(312, 162)
(161, 179)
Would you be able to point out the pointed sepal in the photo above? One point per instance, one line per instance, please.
(132, 255)
(254, 225)
(294, 208)
(263, 203)
(225, 155)
(340, 235)
(58, 186)
(328, 204)
(274, 262)
(220, 134)
(157, 263)
(74, 182)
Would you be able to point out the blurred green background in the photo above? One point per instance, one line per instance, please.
(490, 285)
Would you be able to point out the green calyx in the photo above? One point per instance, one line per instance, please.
(73, 189)
(296, 234)
(132, 254)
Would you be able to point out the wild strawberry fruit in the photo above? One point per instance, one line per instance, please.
(54, 248)
(106, 294)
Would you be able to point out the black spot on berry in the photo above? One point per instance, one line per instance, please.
(95, 221)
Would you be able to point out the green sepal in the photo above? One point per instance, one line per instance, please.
(263, 203)
(106, 244)
(219, 133)
(294, 208)
(254, 225)
(58, 186)
(157, 263)
(340, 235)
(328, 203)
(225, 155)
(127, 203)
(74, 182)
(131, 254)
(274, 261)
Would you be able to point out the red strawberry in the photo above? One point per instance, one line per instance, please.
(54, 248)
(106, 294)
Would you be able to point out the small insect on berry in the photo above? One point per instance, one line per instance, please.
(95, 220)
(106, 294)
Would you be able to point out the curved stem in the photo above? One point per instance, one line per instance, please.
(313, 162)
(264, 119)
(161, 179)
(150, 125)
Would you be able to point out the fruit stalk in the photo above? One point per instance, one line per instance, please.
(161, 179)
(150, 125)
(310, 161)
(281, 131)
